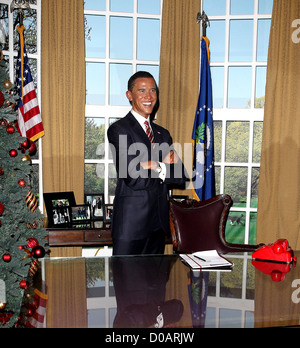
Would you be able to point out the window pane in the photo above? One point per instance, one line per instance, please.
(95, 83)
(148, 38)
(121, 37)
(260, 86)
(94, 138)
(239, 89)
(99, 5)
(152, 69)
(218, 140)
(236, 185)
(252, 230)
(112, 179)
(238, 7)
(265, 6)
(257, 141)
(94, 178)
(121, 5)
(214, 7)
(237, 141)
(218, 179)
(241, 40)
(149, 7)
(217, 75)
(30, 34)
(4, 32)
(263, 35)
(95, 36)
(254, 187)
(216, 35)
(235, 228)
(119, 76)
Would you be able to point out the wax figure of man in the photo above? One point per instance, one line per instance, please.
(141, 210)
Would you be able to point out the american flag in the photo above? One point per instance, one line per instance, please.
(29, 116)
(38, 318)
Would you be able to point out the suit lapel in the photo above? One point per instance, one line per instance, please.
(138, 131)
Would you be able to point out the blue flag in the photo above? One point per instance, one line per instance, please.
(203, 135)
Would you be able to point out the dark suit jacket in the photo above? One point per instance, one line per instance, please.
(141, 198)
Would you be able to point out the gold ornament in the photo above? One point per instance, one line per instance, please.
(2, 306)
(27, 158)
(31, 201)
(7, 84)
(33, 268)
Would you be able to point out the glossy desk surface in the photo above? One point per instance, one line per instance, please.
(111, 292)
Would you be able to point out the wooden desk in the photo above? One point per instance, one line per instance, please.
(107, 292)
(79, 237)
(68, 242)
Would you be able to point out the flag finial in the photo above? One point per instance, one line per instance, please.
(205, 21)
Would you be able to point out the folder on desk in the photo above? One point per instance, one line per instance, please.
(205, 260)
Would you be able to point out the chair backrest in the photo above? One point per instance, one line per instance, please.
(198, 226)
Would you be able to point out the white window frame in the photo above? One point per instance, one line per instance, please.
(107, 111)
(250, 115)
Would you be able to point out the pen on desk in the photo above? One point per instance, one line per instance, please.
(199, 258)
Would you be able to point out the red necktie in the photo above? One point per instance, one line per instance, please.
(149, 132)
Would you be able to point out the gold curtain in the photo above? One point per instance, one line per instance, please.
(179, 71)
(278, 196)
(63, 96)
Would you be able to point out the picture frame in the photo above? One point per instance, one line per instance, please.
(108, 212)
(81, 214)
(57, 206)
(96, 202)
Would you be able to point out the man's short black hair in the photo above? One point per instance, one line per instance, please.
(138, 75)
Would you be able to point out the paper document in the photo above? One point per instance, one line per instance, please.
(205, 259)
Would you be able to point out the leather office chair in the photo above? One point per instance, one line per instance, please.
(199, 226)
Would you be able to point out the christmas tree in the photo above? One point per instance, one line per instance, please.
(22, 235)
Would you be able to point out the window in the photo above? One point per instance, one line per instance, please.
(239, 38)
(9, 40)
(122, 37)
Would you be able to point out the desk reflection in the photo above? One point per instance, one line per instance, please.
(140, 288)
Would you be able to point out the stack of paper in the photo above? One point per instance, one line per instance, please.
(206, 259)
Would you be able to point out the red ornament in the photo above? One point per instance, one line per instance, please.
(6, 258)
(1, 171)
(10, 129)
(38, 252)
(23, 284)
(22, 183)
(13, 153)
(32, 242)
(1, 208)
(25, 145)
(32, 148)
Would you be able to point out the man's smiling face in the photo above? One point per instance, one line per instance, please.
(143, 96)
